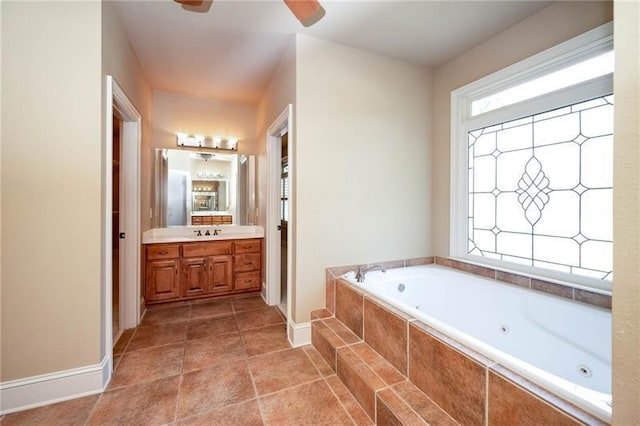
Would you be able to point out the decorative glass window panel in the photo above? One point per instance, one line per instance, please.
(540, 190)
(565, 77)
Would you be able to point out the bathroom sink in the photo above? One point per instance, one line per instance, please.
(186, 234)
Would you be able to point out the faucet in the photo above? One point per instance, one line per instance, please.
(217, 231)
(198, 233)
(207, 233)
(362, 270)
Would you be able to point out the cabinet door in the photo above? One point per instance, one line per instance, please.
(220, 270)
(162, 279)
(195, 277)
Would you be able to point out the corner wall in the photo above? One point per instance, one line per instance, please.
(279, 93)
(120, 61)
(51, 183)
(552, 25)
(362, 160)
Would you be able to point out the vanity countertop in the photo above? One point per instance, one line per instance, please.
(210, 214)
(187, 234)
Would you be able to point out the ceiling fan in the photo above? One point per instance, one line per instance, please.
(308, 12)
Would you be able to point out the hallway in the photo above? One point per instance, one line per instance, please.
(223, 362)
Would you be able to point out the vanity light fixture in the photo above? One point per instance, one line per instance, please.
(229, 143)
(206, 156)
(233, 142)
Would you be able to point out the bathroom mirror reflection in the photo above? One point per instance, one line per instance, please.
(203, 188)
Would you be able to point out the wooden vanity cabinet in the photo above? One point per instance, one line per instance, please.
(207, 268)
(206, 275)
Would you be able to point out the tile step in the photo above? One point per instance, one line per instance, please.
(384, 394)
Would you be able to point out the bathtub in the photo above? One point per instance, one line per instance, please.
(558, 344)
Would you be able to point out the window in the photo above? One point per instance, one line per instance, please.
(578, 73)
(532, 160)
(284, 191)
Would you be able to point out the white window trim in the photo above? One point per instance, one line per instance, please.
(589, 44)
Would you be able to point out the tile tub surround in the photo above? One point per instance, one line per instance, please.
(566, 291)
(386, 332)
(407, 405)
(468, 386)
(441, 371)
(336, 271)
(349, 302)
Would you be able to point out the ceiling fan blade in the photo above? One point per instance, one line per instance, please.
(200, 6)
(189, 2)
(308, 12)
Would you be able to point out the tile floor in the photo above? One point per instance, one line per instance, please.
(221, 362)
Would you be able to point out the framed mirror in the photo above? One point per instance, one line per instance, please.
(203, 188)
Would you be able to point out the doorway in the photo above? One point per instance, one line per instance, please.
(284, 220)
(120, 281)
(115, 224)
(280, 223)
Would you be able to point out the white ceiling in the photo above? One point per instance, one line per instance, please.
(231, 51)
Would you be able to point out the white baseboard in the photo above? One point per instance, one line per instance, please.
(299, 334)
(35, 391)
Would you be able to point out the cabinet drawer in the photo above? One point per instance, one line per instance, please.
(206, 249)
(196, 220)
(159, 251)
(247, 262)
(247, 280)
(247, 246)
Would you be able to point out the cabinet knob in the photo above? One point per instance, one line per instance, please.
(163, 252)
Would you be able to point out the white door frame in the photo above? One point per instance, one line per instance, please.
(130, 140)
(282, 124)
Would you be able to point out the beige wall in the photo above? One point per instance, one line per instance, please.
(279, 93)
(51, 202)
(556, 23)
(120, 61)
(626, 245)
(363, 160)
(210, 117)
